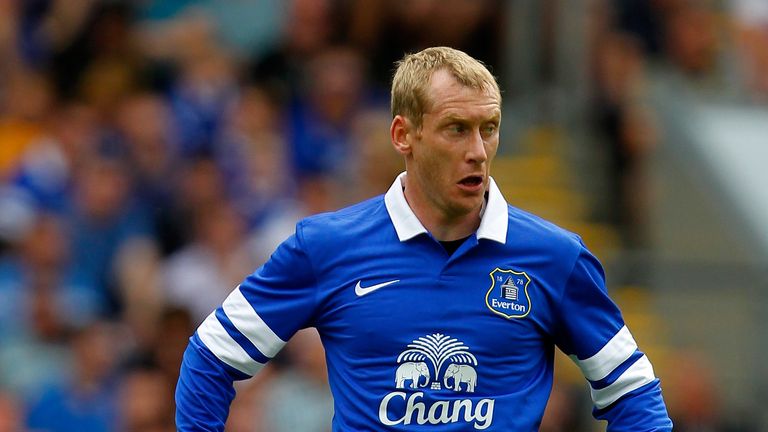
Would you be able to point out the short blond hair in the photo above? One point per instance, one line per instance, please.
(410, 85)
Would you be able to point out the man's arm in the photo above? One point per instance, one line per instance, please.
(242, 335)
(624, 388)
(204, 391)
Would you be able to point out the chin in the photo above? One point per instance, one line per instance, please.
(467, 205)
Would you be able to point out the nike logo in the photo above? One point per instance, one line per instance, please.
(361, 290)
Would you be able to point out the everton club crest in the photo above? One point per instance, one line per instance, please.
(508, 294)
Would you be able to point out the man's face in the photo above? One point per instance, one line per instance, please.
(452, 151)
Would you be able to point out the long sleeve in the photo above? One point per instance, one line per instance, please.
(624, 388)
(242, 335)
(204, 391)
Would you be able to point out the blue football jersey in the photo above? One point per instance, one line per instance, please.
(417, 339)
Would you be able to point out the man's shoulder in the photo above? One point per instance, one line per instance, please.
(345, 222)
(534, 228)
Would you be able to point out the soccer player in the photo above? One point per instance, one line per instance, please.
(439, 305)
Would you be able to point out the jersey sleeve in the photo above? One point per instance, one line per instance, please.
(237, 339)
(624, 389)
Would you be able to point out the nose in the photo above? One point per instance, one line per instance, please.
(476, 151)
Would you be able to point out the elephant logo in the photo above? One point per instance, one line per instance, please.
(433, 356)
(411, 371)
(461, 374)
(449, 369)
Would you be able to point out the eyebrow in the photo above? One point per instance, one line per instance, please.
(451, 118)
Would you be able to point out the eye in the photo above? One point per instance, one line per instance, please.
(490, 129)
(457, 128)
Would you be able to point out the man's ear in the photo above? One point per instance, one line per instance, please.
(402, 133)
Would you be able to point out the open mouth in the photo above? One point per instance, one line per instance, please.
(471, 181)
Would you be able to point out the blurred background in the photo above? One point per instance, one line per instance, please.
(153, 153)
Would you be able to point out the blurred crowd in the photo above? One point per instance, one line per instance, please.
(717, 49)
(153, 153)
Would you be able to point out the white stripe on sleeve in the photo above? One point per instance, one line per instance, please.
(250, 324)
(636, 376)
(610, 356)
(221, 344)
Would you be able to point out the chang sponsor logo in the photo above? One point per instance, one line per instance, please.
(479, 414)
(435, 362)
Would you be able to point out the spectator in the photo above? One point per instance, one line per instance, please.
(252, 155)
(200, 275)
(388, 29)
(750, 28)
(627, 130)
(28, 104)
(175, 326)
(41, 299)
(11, 413)
(205, 88)
(307, 30)
(91, 51)
(144, 400)
(691, 38)
(104, 218)
(376, 164)
(86, 401)
(695, 402)
(145, 127)
(320, 120)
(138, 275)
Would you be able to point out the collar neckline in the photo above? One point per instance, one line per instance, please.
(493, 222)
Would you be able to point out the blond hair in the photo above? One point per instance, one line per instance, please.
(410, 85)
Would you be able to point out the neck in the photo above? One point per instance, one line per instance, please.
(447, 230)
(443, 225)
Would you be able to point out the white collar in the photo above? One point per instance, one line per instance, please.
(493, 223)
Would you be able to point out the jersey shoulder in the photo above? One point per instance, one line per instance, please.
(534, 231)
(345, 224)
